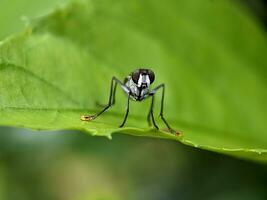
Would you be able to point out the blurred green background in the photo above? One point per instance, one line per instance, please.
(70, 165)
(73, 166)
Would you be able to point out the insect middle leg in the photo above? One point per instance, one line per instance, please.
(127, 111)
(152, 112)
(149, 118)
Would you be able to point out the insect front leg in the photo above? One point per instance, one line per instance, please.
(113, 98)
(110, 101)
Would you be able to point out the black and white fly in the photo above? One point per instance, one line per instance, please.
(137, 88)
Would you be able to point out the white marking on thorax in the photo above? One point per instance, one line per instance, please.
(135, 90)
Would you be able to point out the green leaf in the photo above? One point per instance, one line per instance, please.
(210, 55)
(14, 15)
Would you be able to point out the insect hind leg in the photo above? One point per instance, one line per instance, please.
(162, 107)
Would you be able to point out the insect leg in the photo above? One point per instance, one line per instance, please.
(162, 105)
(114, 93)
(152, 112)
(148, 118)
(127, 111)
(113, 98)
(110, 101)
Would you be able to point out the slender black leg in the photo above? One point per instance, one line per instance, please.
(114, 92)
(113, 98)
(127, 111)
(148, 118)
(110, 101)
(162, 106)
(152, 112)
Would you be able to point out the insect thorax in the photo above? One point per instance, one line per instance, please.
(136, 93)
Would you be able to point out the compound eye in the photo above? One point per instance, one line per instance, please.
(151, 76)
(135, 76)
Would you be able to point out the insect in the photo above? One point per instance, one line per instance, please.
(137, 88)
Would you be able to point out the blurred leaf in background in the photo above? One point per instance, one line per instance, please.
(71, 166)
